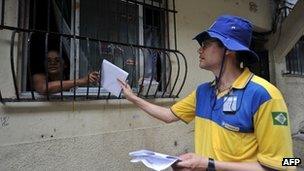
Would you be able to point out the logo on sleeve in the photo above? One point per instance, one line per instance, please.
(279, 118)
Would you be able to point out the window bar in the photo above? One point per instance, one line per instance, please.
(123, 67)
(46, 50)
(152, 2)
(109, 94)
(2, 12)
(115, 14)
(287, 63)
(174, 21)
(60, 52)
(133, 69)
(167, 25)
(127, 18)
(160, 82)
(88, 70)
(138, 67)
(83, 38)
(185, 76)
(290, 65)
(123, 56)
(119, 16)
(143, 76)
(153, 70)
(170, 74)
(29, 64)
(100, 72)
(48, 14)
(46, 65)
(297, 58)
(1, 99)
(61, 18)
(293, 61)
(61, 68)
(150, 6)
(108, 30)
(149, 56)
(34, 14)
(74, 42)
(13, 64)
(301, 56)
(161, 27)
(177, 76)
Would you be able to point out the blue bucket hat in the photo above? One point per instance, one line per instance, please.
(234, 32)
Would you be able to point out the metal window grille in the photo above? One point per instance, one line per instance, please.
(133, 34)
(295, 59)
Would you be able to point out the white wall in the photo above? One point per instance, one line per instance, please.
(98, 135)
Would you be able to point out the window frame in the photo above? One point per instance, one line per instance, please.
(294, 60)
(75, 43)
(83, 89)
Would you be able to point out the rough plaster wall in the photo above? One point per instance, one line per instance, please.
(98, 135)
(291, 87)
(102, 151)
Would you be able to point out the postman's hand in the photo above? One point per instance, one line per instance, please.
(191, 162)
(127, 91)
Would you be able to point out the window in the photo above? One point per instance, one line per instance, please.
(111, 20)
(132, 34)
(295, 59)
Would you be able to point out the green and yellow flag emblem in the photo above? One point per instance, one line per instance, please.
(279, 118)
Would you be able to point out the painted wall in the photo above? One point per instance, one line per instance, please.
(98, 135)
(292, 87)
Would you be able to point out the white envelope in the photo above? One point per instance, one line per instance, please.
(153, 160)
(109, 75)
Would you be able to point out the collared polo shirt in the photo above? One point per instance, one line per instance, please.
(257, 130)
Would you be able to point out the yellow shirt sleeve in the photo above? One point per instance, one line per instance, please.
(272, 130)
(185, 108)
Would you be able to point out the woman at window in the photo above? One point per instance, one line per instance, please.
(54, 76)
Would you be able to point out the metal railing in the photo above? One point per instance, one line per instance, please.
(173, 63)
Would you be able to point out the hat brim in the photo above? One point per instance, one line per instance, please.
(230, 44)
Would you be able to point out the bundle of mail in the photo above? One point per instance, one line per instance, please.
(153, 160)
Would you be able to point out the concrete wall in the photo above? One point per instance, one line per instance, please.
(98, 135)
(292, 87)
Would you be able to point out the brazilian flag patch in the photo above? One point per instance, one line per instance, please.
(279, 118)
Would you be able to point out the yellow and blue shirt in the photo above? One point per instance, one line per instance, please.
(258, 130)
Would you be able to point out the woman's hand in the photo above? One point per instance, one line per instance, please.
(91, 78)
(94, 77)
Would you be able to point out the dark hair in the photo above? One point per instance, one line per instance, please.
(217, 41)
(242, 57)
